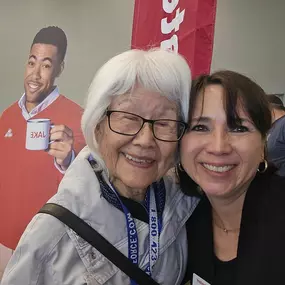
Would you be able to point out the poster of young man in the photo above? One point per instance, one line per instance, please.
(40, 136)
(29, 175)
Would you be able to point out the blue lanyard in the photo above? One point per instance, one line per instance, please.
(155, 225)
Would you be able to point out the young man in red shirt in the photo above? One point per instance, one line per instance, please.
(29, 178)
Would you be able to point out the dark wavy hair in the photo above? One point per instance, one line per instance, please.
(52, 36)
(237, 88)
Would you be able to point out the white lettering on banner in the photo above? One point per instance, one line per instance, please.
(171, 44)
(169, 6)
(167, 28)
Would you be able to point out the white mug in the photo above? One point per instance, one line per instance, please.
(37, 136)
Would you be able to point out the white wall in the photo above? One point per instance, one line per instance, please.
(96, 30)
(250, 38)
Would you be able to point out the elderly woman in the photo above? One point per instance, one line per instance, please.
(135, 115)
(236, 234)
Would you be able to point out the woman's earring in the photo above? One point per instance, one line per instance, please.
(177, 168)
(180, 167)
(264, 167)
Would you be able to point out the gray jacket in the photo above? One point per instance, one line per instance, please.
(50, 253)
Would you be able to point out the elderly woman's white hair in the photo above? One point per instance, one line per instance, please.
(157, 70)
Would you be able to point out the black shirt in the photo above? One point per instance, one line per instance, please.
(224, 271)
(261, 247)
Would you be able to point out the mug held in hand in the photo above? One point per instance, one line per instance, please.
(38, 134)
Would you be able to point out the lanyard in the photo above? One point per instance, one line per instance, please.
(154, 231)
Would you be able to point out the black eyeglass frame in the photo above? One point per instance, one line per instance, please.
(151, 122)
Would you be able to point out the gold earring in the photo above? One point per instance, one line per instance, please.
(264, 167)
(180, 167)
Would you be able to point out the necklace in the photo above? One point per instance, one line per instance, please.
(222, 227)
(225, 230)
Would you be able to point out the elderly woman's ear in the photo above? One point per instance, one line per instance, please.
(98, 131)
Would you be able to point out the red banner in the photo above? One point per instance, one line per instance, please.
(181, 25)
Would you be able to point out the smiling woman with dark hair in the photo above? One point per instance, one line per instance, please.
(236, 234)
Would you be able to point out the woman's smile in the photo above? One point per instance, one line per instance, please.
(142, 162)
(225, 168)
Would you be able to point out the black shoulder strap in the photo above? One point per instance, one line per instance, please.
(99, 242)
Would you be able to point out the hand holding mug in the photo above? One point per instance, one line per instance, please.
(57, 139)
(61, 145)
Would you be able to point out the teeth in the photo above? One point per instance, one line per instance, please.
(136, 159)
(33, 86)
(218, 168)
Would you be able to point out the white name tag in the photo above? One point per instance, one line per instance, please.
(197, 280)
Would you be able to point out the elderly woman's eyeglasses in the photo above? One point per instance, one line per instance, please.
(130, 124)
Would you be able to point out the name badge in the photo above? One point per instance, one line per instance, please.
(197, 280)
